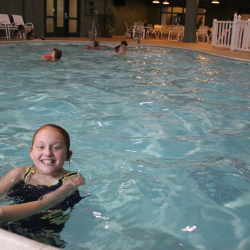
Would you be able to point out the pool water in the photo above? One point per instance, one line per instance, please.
(161, 136)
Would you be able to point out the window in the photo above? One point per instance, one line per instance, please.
(176, 15)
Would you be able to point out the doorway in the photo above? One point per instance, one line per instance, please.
(62, 18)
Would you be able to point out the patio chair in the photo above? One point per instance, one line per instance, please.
(181, 32)
(158, 30)
(202, 33)
(165, 30)
(6, 25)
(18, 20)
(174, 33)
(139, 29)
(129, 31)
(150, 30)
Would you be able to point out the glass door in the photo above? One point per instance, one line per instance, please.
(61, 18)
(73, 22)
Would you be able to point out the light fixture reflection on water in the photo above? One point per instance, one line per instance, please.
(189, 229)
(145, 103)
(137, 142)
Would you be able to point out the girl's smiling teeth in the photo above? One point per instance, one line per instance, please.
(47, 161)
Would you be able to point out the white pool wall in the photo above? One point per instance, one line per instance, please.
(11, 241)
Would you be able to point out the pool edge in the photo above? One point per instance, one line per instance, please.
(11, 241)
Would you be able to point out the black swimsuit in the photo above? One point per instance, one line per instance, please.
(44, 226)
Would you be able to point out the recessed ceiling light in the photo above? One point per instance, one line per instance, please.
(156, 1)
(215, 1)
(165, 2)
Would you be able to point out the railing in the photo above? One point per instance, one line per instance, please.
(231, 34)
(139, 24)
(94, 31)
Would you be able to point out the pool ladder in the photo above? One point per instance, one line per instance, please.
(140, 32)
(94, 31)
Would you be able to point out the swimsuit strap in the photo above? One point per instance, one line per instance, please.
(67, 176)
(32, 170)
(29, 171)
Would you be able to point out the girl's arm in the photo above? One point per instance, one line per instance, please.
(16, 212)
(18, 33)
(25, 33)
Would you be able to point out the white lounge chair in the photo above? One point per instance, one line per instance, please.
(202, 33)
(18, 20)
(174, 33)
(6, 25)
(150, 31)
(129, 31)
(181, 33)
(165, 30)
(158, 30)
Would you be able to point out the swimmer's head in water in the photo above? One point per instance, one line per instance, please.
(124, 44)
(119, 49)
(56, 54)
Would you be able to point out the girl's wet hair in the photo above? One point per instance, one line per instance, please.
(124, 43)
(58, 53)
(20, 27)
(61, 130)
(117, 48)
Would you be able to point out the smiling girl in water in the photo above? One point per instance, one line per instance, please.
(42, 192)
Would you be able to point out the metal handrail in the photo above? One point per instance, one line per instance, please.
(140, 32)
(94, 31)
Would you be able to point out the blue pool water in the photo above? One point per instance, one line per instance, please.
(161, 136)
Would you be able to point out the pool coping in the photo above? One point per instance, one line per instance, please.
(11, 241)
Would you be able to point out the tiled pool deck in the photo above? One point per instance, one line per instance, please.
(242, 55)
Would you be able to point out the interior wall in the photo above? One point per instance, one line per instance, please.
(11, 7)
(85, 22)
(135, 10)
(34, 13)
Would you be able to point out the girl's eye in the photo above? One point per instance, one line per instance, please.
(40, 147)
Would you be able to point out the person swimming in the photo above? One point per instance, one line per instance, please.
(95, 45)
(44, 193)
(119, 49)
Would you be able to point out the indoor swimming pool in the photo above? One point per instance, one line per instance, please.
(160, 134)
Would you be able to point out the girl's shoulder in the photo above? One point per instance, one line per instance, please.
(18, 173)
(20, 170)
(75, 177)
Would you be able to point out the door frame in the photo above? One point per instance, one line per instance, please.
(64, 32)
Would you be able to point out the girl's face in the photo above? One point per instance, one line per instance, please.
(49, 151)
